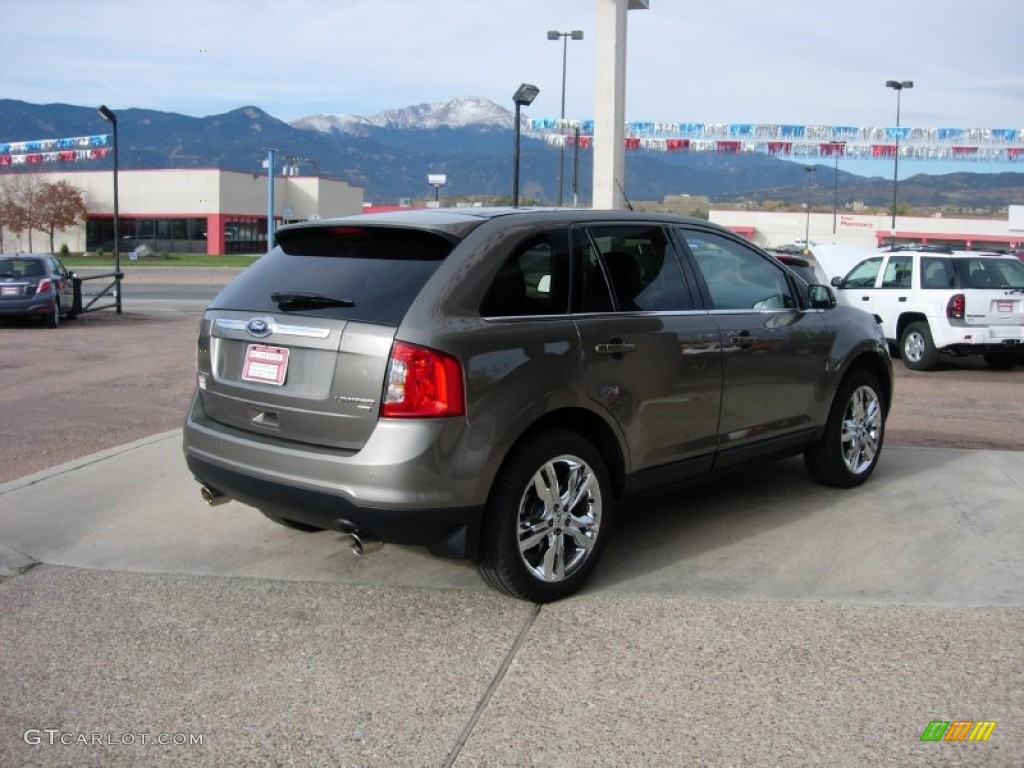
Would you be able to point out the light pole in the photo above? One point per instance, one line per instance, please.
(807, 230)
(837, 150)
(576, 34)
(523, 97)
(898, 86)
(110, 117)
(271, 152)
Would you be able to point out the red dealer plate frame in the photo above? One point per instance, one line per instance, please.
(265, 365)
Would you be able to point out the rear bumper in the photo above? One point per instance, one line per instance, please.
(399, 488)
(982, 338)
(26, 307)
(448, 532)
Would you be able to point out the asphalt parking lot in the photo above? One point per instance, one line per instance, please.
(768, 622)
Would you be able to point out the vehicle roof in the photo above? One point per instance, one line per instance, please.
(460, 221)
(927, 251)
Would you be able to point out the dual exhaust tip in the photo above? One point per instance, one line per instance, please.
(360, 542)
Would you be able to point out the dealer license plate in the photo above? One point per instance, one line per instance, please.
(1004, 306)
(267, 365)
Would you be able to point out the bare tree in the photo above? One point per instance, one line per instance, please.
(58, 206)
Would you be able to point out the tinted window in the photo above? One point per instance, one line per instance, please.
(738, 277)
(937, 272)
(534, 280)
(637, 263)
(994, 273)
(898, 272)
(379, 270)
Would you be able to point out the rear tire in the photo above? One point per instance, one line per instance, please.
(547, 518)
(917, 348)
(53, 319)
(1003, 361)
(848, 451)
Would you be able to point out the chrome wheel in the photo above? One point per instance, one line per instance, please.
(913, 347)
(848, 450)
(547, 517)
(862, 430)
(559, 518)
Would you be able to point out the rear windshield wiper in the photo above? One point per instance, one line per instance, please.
(308, 301)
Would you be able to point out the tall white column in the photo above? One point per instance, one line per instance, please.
(610, 101)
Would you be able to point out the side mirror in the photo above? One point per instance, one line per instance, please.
(838, 282)
(821, 296)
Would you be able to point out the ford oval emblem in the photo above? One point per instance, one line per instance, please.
(259, 327)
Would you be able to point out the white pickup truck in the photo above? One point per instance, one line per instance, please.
(933, 301)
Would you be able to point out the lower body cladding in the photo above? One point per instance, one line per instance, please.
(366, 495)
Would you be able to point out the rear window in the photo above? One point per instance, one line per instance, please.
(372, 274)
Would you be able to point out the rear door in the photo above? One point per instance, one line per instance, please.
(297, 347)
(651, 358)
(775, 353)
(993, 288)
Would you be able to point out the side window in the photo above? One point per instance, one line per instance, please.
(736, 276)
(864, 274)
(936, 272)
(637, 263)
(898, 272)
(534, 280)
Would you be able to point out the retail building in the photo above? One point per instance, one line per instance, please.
(190, 211)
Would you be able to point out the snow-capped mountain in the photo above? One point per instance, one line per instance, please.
(467, 112)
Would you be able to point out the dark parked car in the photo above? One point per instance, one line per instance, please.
(36, 285)
(486, 382)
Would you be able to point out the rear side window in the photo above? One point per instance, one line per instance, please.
(899, 272)
(628, 269)
(366, 274)
(994, 273)
(534, 280)
(937, 272)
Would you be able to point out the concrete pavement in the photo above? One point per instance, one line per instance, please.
(762, 622)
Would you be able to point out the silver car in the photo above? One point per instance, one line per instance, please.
(487, 382)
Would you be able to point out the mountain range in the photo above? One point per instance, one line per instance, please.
(470, 140)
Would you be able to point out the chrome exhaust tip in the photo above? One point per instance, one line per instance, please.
(211, 496)
(360, 542)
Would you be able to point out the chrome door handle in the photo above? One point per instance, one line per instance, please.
(614, 347)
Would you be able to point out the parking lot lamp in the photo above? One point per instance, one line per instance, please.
(523, 97)
(109, 116)
(898, 86)
(807, 230)
(576, 34)
(837, 150)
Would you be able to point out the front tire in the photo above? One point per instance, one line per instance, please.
(547, 518)
(917, 348)
(848, 451)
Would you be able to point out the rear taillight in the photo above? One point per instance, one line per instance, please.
(956, 307)
(421, 383)
(44, 285)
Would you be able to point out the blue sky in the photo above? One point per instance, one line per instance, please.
(788, 61)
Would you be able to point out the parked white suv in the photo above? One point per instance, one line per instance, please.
(932, 301)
